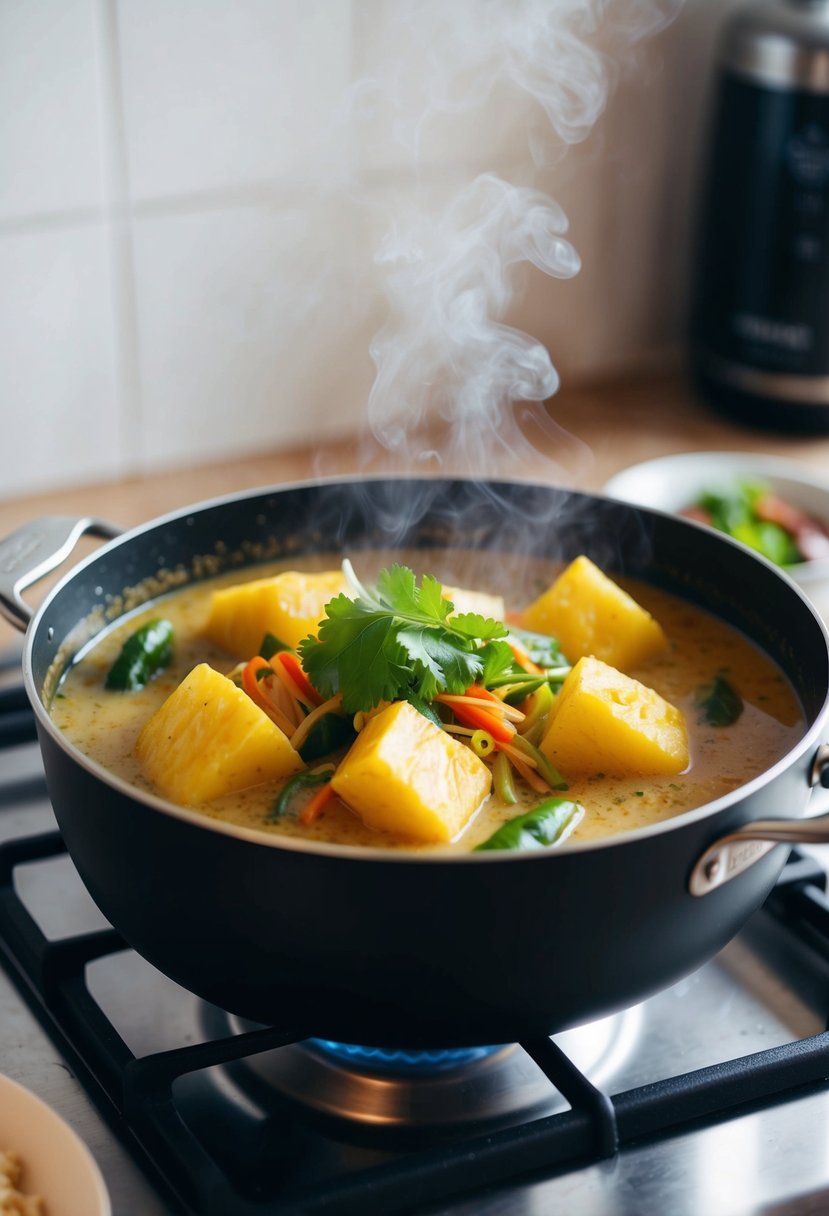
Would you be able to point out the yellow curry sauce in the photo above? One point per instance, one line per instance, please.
(105, 724)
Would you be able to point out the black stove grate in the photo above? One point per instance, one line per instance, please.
(246, 1169)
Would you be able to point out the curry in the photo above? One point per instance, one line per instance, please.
(619, 706)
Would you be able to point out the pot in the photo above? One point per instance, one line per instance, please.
(388, 948)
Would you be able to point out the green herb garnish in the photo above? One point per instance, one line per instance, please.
(396, 642)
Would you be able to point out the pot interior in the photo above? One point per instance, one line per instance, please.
(515, 521)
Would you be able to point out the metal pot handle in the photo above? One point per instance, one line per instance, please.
(36, 549)
(732, 854)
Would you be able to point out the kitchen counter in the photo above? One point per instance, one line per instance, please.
(598, 430)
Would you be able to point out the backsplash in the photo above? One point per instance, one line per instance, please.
(194, 195)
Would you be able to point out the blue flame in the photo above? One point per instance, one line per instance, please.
(398, 1061)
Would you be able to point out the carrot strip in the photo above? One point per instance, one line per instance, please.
(251, 684)
(491, 706)
(288, 665)
(524, 660)
(316, 804)
(472, 715)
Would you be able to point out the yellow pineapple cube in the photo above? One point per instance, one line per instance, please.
(289, 605)
(603, 721)
(210, 739)
(475, 601)
(590, 614)
(404, 774)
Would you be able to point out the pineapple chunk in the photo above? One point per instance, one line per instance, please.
(289, 605)
(210, 739)
(590, 614)
(475, 601)
(404, 774)
(604, 721)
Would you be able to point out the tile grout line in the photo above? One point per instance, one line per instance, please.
(118, 223)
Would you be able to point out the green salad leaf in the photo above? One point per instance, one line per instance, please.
(734, 511)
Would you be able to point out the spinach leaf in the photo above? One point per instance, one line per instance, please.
(272, 645)
(543, 650)
(718, 702)
(144, 653)
(545, 825)
(331, 732)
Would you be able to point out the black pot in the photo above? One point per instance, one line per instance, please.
(371, 946)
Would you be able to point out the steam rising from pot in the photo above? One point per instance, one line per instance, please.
(512, 82)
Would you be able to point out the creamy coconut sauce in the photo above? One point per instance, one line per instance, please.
(104, 725)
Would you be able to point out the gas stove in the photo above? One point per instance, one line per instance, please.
(710, 1097)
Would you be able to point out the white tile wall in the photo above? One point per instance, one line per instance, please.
(193, 194)
(50, 146)
(61, 420)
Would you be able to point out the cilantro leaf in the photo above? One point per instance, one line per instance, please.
(396, 641)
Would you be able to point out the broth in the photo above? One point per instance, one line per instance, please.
(104, 725)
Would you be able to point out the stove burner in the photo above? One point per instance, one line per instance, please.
(392, 1090)
(401, 1061)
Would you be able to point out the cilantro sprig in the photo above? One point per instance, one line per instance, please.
(397, 642)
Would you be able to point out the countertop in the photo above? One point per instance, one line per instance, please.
(589, 433)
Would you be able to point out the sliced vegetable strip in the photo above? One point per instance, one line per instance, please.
(545, 768)
(252, 674)
(301, 781)
(481, 719)
(316, 805)
(308, 723)
(502, 780)
(288, 667)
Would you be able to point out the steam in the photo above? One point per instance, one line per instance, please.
(512, 82)
(444, 349)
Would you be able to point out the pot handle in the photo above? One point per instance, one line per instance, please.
(732, 854)
(33, 551)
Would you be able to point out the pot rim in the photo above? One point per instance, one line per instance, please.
(806, 745)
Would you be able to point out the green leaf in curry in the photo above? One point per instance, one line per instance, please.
(145, 652)
(545, 825)
(718, 702)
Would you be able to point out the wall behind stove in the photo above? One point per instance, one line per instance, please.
(188, 225)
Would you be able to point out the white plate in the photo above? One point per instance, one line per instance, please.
(56, 1163)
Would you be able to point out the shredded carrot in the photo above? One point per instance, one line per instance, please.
(316, 804)
(251, 683)
(307, 724)
(498, 707)
(289, 669)
(528, 773)
(524, 660)
(483, 719)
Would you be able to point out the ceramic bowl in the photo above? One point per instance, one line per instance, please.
(671, 483)
(56, 1164)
